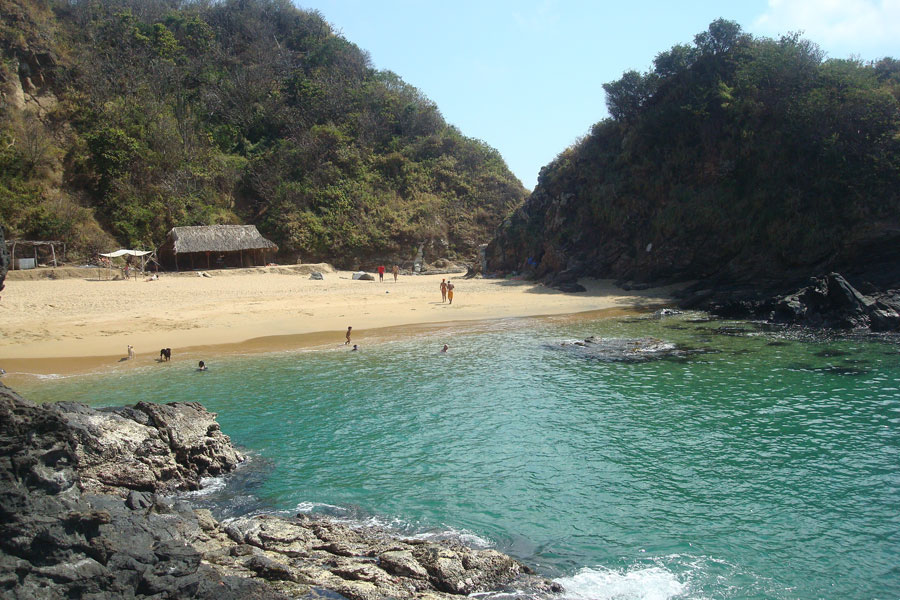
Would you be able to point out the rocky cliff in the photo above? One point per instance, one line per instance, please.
(749, 164)
(83, 514)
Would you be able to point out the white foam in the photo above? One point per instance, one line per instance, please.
(466, 537)
(308, 507)
(649, 583)
(208, 485)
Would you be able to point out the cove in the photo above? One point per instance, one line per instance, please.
(764, 465)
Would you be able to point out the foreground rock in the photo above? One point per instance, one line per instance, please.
(59, 538)
(826, 302)
(59, 541)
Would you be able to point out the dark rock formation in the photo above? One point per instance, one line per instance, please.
(56, 541)
(59, 539)
(827, 302)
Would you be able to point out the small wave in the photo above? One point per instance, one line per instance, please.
(649, 583)
(208, 485)
(466, 537)
(310, 507)
(356, 518)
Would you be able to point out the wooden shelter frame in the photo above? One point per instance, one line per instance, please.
(35, 244)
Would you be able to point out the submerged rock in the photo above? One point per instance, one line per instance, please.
(60, 539)
(627, 349)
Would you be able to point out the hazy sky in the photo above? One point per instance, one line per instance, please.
(526, 76)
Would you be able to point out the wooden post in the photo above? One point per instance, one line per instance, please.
(176, 260)
(207, 259)
(13, 258)
(53, 250)
(192, 260)
(242, 257)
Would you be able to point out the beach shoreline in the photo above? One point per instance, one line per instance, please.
(72, 326)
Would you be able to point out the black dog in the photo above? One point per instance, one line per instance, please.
(165, 354)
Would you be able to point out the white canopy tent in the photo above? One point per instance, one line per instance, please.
(145, 256)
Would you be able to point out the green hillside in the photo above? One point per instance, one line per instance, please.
(734, 158)
(122, 119)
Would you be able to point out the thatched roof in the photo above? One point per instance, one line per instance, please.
(217, 238)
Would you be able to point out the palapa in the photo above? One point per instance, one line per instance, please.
(215, 246)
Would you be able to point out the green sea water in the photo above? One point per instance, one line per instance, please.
(766, 466)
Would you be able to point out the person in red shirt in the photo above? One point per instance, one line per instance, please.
(381, 273)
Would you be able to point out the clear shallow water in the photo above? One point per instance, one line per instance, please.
(767, 468)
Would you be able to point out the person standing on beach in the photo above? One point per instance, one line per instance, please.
(381, 273)
(450, 287)
(443, 290)
(347, 343)
(396, 272)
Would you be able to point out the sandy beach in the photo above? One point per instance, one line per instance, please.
(82, 323)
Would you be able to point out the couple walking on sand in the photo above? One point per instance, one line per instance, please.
(446, 291)
(395, 271)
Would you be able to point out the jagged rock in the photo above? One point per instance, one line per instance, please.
(58, 542)
(315, 275)
(58, 539)
(829, 302)
(148, 447)
(363, 276)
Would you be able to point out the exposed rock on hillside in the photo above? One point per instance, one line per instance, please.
(58, 539)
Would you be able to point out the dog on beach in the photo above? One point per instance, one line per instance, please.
(130, 352)
(165, 354)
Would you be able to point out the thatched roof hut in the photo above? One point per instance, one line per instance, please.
(211, 246)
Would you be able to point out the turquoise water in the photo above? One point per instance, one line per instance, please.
(767, 467)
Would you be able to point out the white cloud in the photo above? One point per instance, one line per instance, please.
(841, 23)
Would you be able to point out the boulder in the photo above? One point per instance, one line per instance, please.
(315, 275)
(148, 447)
(362, 275)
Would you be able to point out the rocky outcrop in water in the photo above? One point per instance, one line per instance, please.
(626, 349)
(60, 538)
(829, 302)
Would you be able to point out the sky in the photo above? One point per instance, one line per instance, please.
(526, 76)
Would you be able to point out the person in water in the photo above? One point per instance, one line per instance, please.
(201, 366)
(445, 349)
(355, 348)
(348, 336)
